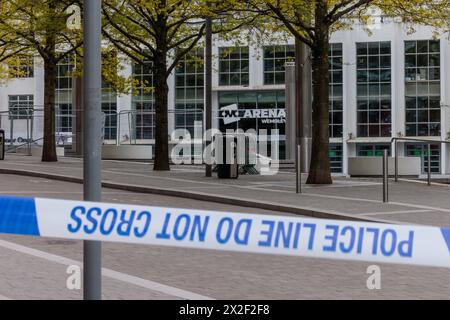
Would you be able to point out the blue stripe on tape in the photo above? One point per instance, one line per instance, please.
(18, 216)
(446, 234)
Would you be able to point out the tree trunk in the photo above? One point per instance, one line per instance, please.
(49, 147)
(161, 126)
(319, 172)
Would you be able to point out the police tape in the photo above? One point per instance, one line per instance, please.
(189, 228)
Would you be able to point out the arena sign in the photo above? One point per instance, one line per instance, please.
(232, 113)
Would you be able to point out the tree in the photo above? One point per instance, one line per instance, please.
(312, 22)
(154, 31)
(163, 32)
(41, 27)
(9, 57)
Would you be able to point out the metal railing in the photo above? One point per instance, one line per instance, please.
(385, 167)
(298, 169)
(29, 121)
(139, 125)
(395, 140)
(25, 114)
(131, 121)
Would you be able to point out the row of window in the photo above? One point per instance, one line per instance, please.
(143, 102)
(63, 101)
(189, 92)
(422, 86)
(373, 89)
(336, 93)
(234, 64)
(374, 85)
(422, 89)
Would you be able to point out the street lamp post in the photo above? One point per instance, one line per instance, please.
(92, 139)
(208, 84)
(303, 102)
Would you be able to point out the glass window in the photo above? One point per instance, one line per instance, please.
(336, 158)
(234, 66)
(336, 90)
(109, 109)
(421, 150)
(63, 98)
(190, 92)
(374, 89)
(422, 82)
(64, 117)
(275, 58)
(63, 94)
(143, 101)
(20, 106)
(372, 150)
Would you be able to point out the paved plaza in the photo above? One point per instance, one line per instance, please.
(349, 199)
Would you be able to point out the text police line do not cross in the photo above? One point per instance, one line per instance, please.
(190, 228)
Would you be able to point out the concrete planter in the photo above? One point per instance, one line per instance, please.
(372, 166)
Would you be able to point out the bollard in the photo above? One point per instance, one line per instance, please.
(28, 134)
(299, 170)
(2, 145)
(385, 176)
(429, 165)
(396, 161)
(208, 85)
(11, 133)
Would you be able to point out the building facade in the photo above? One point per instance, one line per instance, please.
(383, 84)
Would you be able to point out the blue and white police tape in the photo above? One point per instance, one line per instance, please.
(189, 228)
